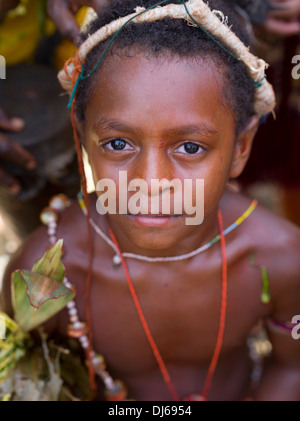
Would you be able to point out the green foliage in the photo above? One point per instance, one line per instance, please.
(27, 371)
(40, 294)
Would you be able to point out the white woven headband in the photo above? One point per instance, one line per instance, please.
(197, 10)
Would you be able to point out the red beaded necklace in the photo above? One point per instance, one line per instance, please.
(155, 350)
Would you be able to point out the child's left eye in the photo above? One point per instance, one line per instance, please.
(190, 148)
(117, 145)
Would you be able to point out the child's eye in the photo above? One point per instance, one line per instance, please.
(190, 148)
(117, 145)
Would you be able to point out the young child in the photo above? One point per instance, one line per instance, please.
(170, 306)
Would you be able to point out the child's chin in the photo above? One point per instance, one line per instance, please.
(155, 245)
(155, 234)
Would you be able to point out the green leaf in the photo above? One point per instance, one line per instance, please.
(40, 294)
(41, 288)
(50, 264)
(36, 298)
(12, 346)
(265, 294)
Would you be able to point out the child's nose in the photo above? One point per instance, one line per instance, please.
(154, 165)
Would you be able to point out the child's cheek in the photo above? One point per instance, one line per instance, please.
(214, 185)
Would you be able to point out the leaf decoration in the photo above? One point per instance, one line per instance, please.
(50, 264)
(34, 378)
(12, 347)
(35, 295)
(36, 298)
(265, 295)
(41, 288)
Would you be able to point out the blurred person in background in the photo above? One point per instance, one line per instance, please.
(35, 164)
(276, 36)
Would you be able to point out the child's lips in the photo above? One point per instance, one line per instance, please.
(151, 220)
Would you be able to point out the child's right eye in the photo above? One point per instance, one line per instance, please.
(117, 145)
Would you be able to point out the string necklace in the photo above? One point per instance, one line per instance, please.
(117, 257)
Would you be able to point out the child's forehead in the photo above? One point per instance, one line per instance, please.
(130, 58)
(138, 88)
(143, 74)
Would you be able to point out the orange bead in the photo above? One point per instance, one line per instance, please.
(118, 394)
(76, 332)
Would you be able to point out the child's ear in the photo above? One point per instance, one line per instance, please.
(243, 147)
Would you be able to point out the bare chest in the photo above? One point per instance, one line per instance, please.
(176, 310)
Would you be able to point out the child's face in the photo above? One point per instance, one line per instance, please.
(159, 119)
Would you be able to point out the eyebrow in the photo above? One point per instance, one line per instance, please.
(111, 124)
(201, 128)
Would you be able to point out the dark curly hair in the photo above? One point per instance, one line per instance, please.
(173, 38)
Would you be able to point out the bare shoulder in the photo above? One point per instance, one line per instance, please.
(275, 243)
(278, 250)
(276, 240)
(268, 233)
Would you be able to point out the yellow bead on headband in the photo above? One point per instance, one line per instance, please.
(196, 12)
